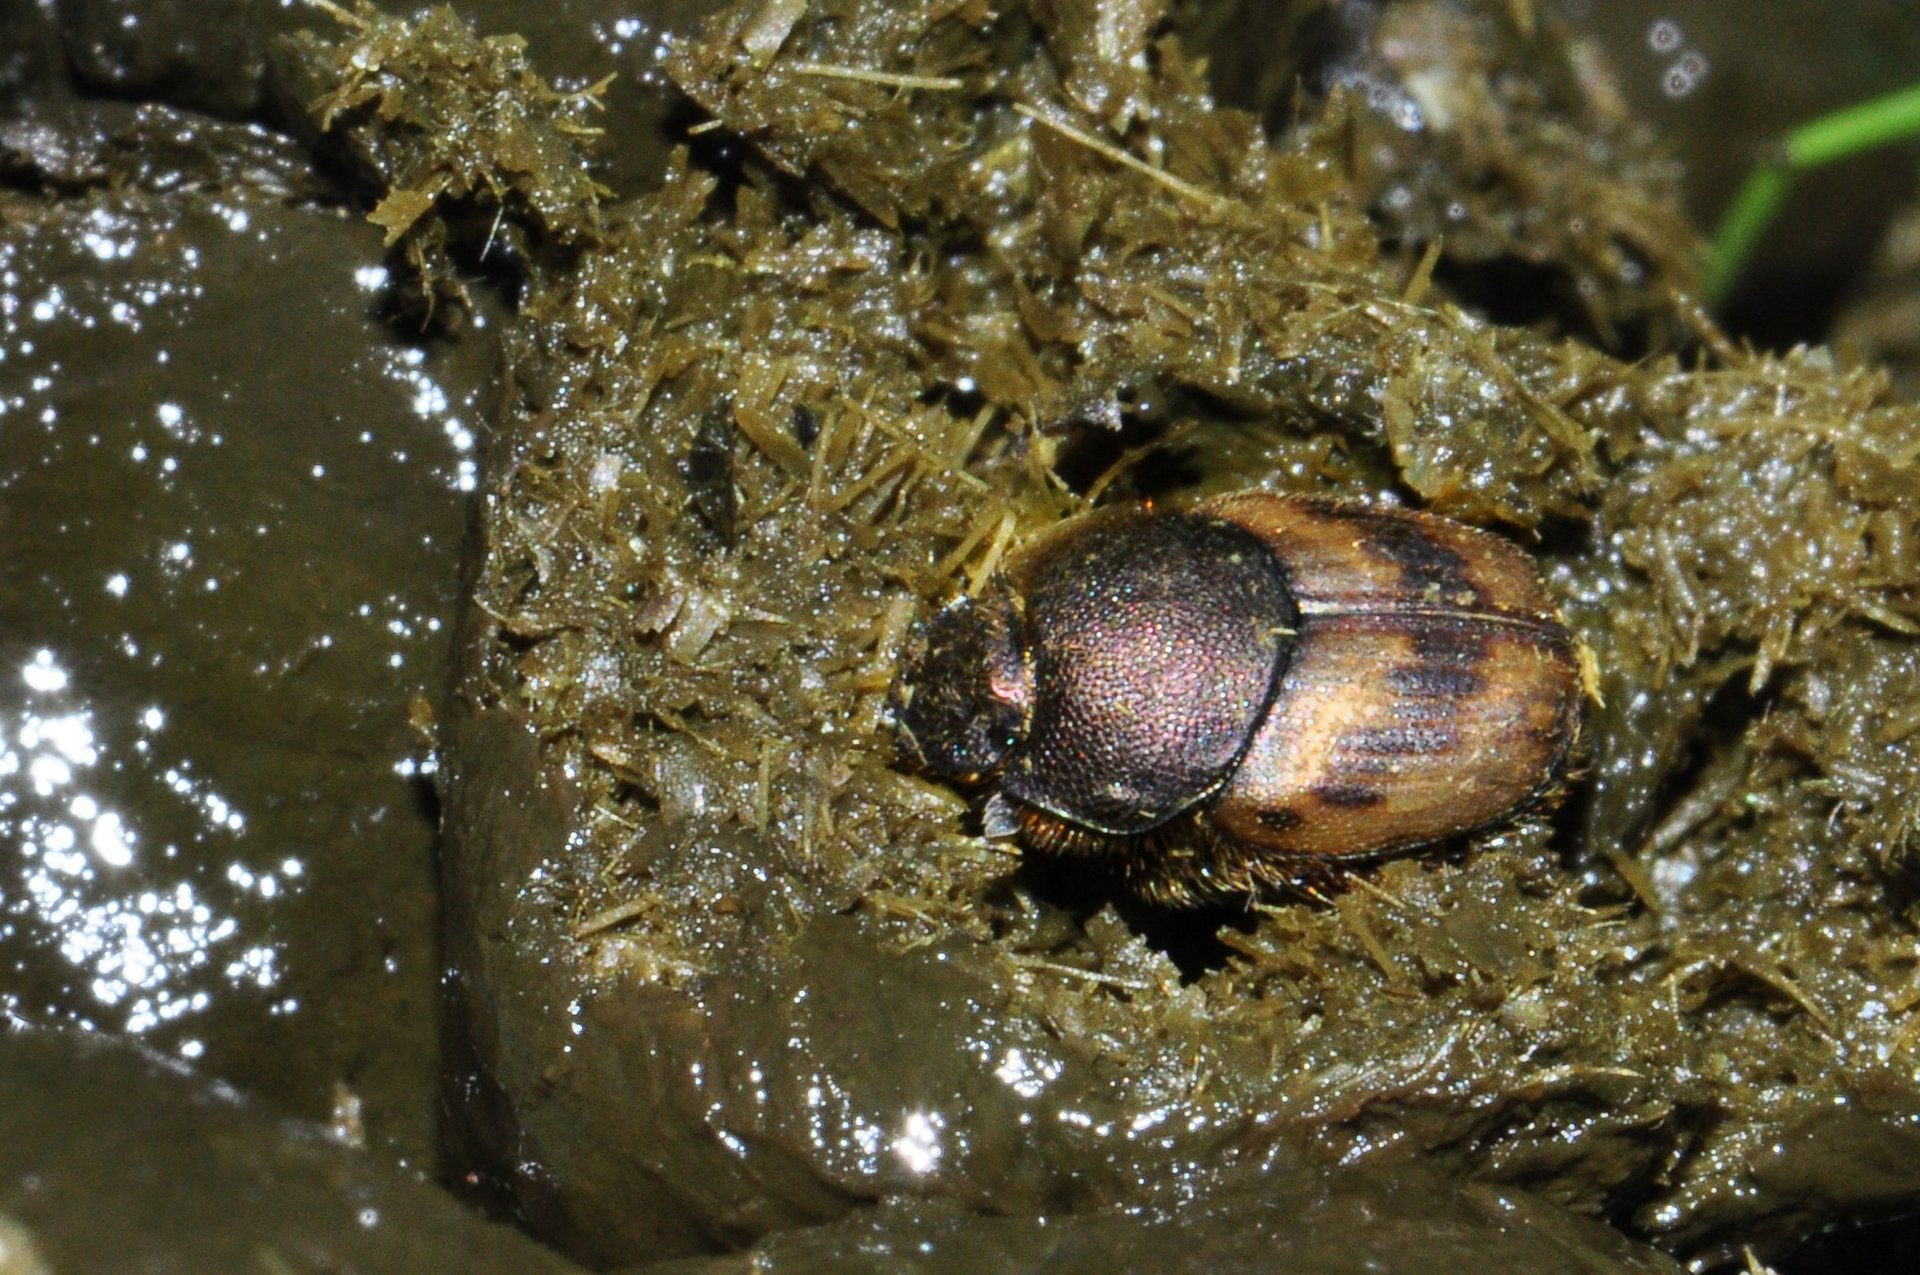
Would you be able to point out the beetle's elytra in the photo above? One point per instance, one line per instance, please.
(1251, 692)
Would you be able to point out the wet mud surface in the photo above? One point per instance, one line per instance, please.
(208, 744)
(176, 1173)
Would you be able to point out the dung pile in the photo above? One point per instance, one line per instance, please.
(933, 275)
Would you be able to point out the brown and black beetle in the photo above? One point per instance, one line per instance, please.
(1260, 690)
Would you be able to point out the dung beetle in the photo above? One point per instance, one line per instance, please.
(1260, 690)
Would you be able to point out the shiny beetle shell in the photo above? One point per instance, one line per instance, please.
(1263, 689)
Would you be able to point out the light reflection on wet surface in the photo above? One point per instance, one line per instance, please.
(231, 502)
(146, 945)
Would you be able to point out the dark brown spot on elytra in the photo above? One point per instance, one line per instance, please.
(1428, 567)
(1279, 819)
(1401, 741)
(1449, 644)
(1425, 681)
(1347, 796)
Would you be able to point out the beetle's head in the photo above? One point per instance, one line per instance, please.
(965, 691)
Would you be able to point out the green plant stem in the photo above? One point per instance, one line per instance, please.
(1741, 226)
(1894, 117)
